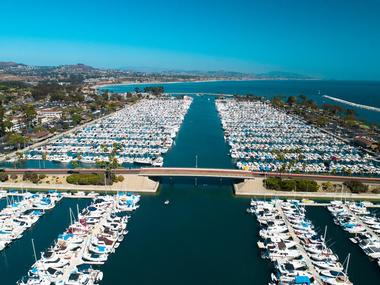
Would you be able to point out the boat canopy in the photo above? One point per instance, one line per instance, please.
(302, 280)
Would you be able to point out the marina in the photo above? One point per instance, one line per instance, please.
(21, 214)
(138, 134)
(354, 218)
(204, 230)
(190, 142)
(263, 138)
(95, 233)
(289, 240)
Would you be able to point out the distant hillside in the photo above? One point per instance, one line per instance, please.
(77, 67)
(9, 64)
(282, 75)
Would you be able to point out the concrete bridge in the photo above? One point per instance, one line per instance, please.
(199, 172)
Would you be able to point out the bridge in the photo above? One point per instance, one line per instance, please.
(198, 172)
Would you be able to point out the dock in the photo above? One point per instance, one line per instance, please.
(368, 229)
(299, 246)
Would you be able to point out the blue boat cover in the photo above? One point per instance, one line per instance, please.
(302, 280)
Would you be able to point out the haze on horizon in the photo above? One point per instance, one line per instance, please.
(328, 39)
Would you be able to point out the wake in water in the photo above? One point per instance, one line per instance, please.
(352, 104)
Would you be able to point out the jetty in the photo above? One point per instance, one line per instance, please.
(361, 106)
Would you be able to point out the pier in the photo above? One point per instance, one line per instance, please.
(298, 244)
(368, 229)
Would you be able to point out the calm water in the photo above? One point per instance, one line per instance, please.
(361, 269)
(15, 261)
(203, 236)
(361, 92)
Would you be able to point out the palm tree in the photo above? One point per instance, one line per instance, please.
(44, 157)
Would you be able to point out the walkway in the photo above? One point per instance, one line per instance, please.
(298, 244)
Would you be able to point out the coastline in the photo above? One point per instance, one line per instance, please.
(128, 83)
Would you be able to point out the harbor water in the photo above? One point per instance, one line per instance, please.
(361, 92)
(203, 236)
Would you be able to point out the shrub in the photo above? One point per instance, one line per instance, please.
(13, 176)
(42, 176)
(87, 179)
(288, 185)
(376, 191)
(30, 176)
(302, 185)
(3, 177)
(356, 186)
(120, 178)
(307, 185)
(273, 183)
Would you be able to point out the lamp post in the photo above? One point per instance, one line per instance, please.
(196, 166)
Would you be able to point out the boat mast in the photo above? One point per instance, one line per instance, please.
(78, 211)
(348, 261)
(34, 251)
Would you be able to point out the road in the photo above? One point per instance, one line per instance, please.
(200, 172)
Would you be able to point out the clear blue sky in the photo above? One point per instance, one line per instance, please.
(329, 38)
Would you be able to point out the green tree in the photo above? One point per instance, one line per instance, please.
(302, 99)
(76, 118)
(29, 114)
(17, 140)
(2, 119)
(291, 100)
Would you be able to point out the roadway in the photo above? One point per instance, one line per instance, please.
(199, 172)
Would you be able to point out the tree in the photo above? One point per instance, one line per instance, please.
(76, 118)
(2, 123)
(277, 102)
(44, 157)
(307, 185)
(273, 183)
(356, 186)
(350, 114)
(29, 114)
(3, 177)
(292, 100)
(155, 90)
(75, 163)
(288, 185)
(302, 98)
(17, 140)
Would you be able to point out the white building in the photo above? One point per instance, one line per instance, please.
(48, 115)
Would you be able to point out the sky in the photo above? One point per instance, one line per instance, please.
(337, 39)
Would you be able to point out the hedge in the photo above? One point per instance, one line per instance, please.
(301, 185)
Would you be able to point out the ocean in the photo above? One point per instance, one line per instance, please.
(360, 92)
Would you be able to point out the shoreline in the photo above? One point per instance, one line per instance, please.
(128, 83)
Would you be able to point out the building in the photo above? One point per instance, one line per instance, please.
(365, 142)
(48, 115)
(18, 124)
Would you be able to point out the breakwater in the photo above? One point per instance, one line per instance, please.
(361, 106)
